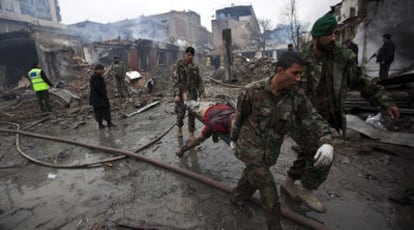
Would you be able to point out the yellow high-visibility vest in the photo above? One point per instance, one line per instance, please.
(37, 80)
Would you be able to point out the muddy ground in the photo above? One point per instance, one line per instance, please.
(358, 192)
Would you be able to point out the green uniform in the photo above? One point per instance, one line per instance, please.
(258, 128)
(326, 80)
(187, 80)
(118, 70)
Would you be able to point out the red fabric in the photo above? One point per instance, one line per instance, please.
(217, 119)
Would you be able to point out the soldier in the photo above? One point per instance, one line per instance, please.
(266, 111)
(118, 70)
(331, 69)
(348, 43)
(188, 86)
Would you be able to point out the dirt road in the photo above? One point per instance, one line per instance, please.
(128, 192)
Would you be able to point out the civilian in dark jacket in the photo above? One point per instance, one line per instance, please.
(385, 56)
(98, 97)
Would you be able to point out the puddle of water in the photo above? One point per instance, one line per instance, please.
(349, 212)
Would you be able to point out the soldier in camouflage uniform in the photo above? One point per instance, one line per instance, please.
(119, 69)
(266, 111)
(331, 69)
(188, 86)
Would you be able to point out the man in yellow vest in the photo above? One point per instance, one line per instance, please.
(40, 85)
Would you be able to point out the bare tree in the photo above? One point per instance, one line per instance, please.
(263, 37)
(297, 29)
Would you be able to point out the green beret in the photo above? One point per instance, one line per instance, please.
(324, 25)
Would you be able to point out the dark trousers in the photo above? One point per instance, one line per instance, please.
(180, 109)
(121, 86)
(260, 178)
(383, 72)
(43, 100)
(102, 113)
(303, 170)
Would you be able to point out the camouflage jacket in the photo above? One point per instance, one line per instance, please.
(262, 120)
(340, 67)
(187, 78)
(118, 69)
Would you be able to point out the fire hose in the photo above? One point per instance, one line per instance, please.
(299, 219)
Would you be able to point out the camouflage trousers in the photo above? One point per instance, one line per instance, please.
(261, 178)
(303, 170)
(121, 86)
(43, 100)
(180, 109)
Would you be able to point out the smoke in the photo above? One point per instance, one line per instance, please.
(140, 28)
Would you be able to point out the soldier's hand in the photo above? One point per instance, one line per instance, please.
(324, 155)
(394, 112)
(180, 152)
(177, 98)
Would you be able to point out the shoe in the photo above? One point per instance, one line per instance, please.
(289, 187)
(243, 208)
(179, 132)
(101, 126)
(179, 153)
(111, 125)
(310, 199)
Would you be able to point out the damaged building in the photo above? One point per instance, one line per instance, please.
(366, 21)
(30, 32)
(243, 23)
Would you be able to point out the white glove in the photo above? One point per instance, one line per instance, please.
(232, 145)
(324, 155)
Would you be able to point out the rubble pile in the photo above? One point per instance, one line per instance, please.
(245, 70)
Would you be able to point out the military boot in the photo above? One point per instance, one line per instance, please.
(100, 125)
(179, 132)
(289, 187)
(309, 198)
(243, 208)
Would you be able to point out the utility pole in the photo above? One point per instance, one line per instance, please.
(228, 55)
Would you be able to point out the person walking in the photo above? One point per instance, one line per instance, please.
(266, 111)
(385, 56)
(98, 97)
(40, 84)
(330, 70)
(188, 86)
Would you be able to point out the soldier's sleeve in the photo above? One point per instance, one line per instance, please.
(124, 68)
(200, 85)
(242, 111)
(314, 129)
(371, 91)
(177, 80)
